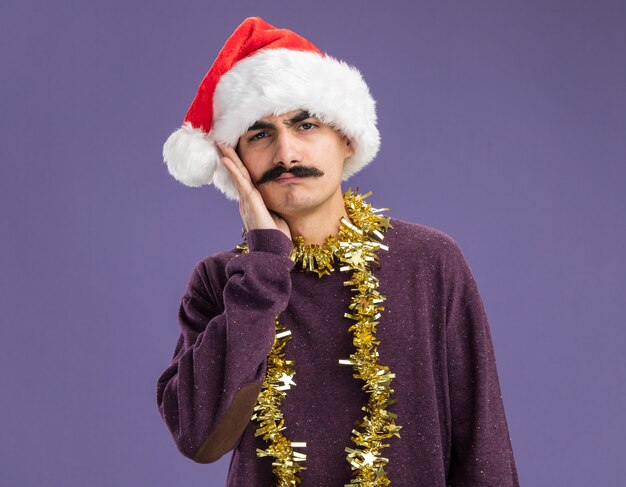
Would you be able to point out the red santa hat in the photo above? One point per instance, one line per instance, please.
(260, 71)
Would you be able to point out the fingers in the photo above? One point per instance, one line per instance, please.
(236, 167)
(252, 208)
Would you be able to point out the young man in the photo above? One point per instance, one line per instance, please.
(336, 346)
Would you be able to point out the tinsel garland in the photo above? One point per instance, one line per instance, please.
(354, 248)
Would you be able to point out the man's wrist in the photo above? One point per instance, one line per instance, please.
(269, 240)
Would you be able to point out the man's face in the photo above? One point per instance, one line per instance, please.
(294, 160)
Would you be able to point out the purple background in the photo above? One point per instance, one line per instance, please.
(503, 124)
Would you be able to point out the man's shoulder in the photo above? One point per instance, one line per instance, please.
(413, 245)
(220, 258)
(415, 237)
(211, 269)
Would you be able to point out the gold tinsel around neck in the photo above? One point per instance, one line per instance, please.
(362, 221)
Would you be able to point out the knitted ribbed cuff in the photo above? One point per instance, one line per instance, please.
(269, 240)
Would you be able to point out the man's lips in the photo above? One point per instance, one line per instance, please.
(289, 177)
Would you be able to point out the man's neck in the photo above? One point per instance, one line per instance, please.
(317, 226)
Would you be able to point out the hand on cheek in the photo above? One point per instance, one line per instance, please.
(252, 209)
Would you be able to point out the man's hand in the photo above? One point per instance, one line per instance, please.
(252, 208)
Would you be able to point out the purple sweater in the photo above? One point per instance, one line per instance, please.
(434, 336)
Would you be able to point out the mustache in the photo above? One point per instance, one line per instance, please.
(299, 171)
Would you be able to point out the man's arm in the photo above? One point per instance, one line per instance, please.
(207, 394)
(481, 452)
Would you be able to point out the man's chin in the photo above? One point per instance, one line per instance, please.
(290, 199)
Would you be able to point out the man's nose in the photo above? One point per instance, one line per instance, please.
(287, 151)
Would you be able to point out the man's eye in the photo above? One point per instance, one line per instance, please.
(259, 135)
(307, 125)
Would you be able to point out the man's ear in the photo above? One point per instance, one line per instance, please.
(350, 150)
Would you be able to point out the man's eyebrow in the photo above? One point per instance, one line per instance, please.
(298, 117)
(263, 125)
(260, 124)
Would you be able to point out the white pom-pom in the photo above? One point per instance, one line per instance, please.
(224, 182)
(191, 156)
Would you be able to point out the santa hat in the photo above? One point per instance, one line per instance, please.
(260, 71)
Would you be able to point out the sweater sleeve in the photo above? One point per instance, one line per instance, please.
(207, 394)
(481, 451)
